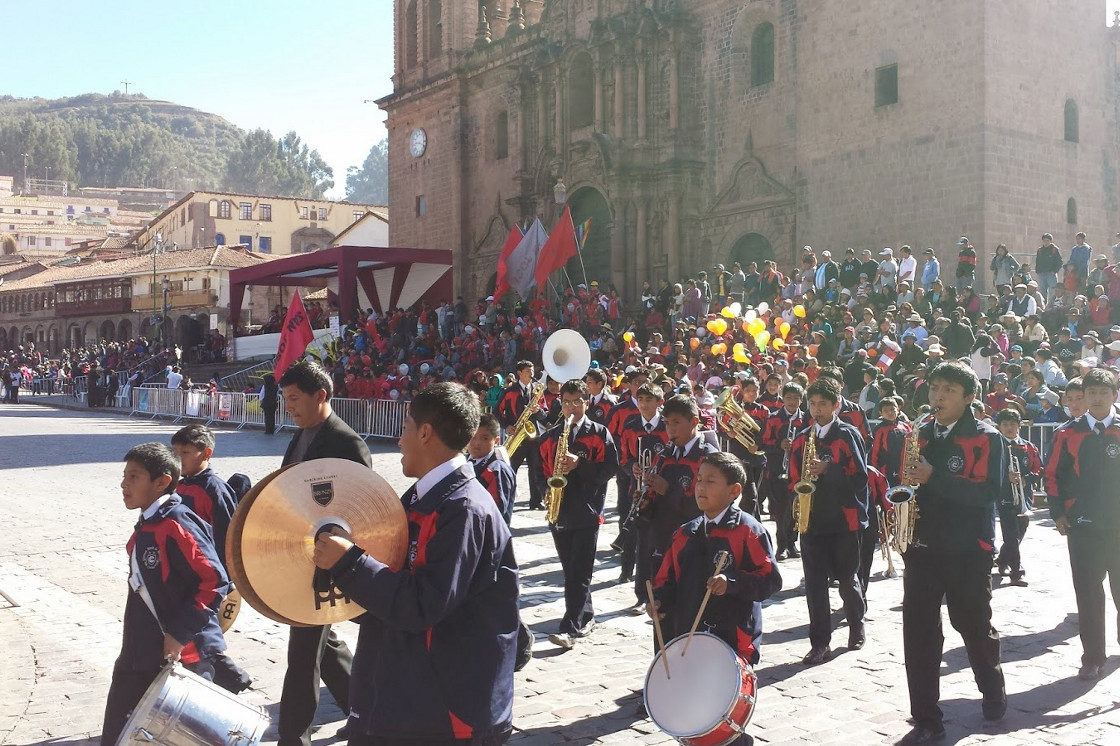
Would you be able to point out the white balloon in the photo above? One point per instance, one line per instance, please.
(394, 394)
(403, 369)
(424, 368)
(763, 307)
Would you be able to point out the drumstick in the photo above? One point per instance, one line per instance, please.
(657, 629)
(720, 561)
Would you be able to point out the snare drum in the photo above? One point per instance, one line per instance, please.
(182, 709)
(711, 696)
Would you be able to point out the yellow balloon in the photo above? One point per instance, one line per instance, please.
(739, 352)
(628, 337)
(784, 328)
(799, 311)
(713, 325)
(727, 313)
(721, 326)
(756, 326)
(779, 344)
(762, 338)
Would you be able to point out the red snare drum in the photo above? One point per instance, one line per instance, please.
(711, 696)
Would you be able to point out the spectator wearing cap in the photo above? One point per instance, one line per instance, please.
(827, 270)
(1021, 304)
(1003, 267)
(1098, 275)
(849, 269)
(848, 345)
(1091, 345)
(869, 265)
(1100, 307)
(1047, 262)
(931, 270)
(915, 329)
(720, 284)
(966, 264)
(886, 277)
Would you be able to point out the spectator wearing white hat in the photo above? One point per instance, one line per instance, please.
(887, 276)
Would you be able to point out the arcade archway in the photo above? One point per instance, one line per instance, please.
(589, 203)
(752, 247)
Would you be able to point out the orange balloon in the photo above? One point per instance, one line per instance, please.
(694, 343)
(747, 327)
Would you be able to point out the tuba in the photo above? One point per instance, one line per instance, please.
(803, 500)
(566, 355)
(735, 421)
(557, 482)
(900, 527)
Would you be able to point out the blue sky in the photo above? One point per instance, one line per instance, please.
(277, 64)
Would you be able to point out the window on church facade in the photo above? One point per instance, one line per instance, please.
(435, 28)
(502, 148)
(762, 54)
(1073, 133)
(886, 85)
(581, 91)
(410, 35)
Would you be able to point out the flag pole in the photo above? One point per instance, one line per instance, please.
(579, 253)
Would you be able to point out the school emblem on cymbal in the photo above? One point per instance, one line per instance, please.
(322, 492)
(955, 464)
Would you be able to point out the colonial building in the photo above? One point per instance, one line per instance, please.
(267, 225)
(693, 132)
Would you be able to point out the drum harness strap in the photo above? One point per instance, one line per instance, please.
(136, 582)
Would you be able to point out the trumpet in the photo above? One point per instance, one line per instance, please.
(649, 461)
(735, 421)
(1018, 493)
(803, 501)
(790, 432)
(645, 462)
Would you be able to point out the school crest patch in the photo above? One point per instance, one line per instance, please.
(1112, 450)
(150, 558)
(955, 464)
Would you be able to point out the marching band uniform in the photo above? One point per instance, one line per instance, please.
(599, 407)
(1081, 477)
(454, 603)
(581, 513)
(753, 463)
(830, 548)
(752, 577)
(876, 498)
(1014, 519)
(887, 449)
(637, 435)
(172, 555)
(776, 429)
(851, 413)
(951, 559)
(616, 419)
(513, 402)
(499, 480)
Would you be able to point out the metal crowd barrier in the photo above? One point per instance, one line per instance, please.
(380, 418)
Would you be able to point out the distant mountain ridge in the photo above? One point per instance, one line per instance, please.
(117, 140)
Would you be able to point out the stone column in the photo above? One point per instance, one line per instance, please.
(641, 238)
(618, 251)
(641, 113)
(674, 83)
(672, 238)
(618, 98)
(542, 111)
(597, 71)
(558, 115)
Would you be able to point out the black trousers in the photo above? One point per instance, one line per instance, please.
(647, 560)
(269, 417)
(314, 654)
(628, 539)
(964, 580)
(1013, 526)
(529, 452)
(827, 556)
(359, 739)
(868, 543)
(576, 549)
(127, 689)
(781, 510)
(1092, 556)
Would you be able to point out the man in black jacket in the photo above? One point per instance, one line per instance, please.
(314, 653)
(961, 473)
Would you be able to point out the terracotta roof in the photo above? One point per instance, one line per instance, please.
(170, 261)
(8, 268)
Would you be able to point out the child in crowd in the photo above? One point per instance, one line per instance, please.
(1013, 518)
(176, 584)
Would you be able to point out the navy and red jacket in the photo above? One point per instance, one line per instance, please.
(586, 491)
(634, 437)
(886, 448)
(1082, 474)
(840, 501)
(512, 404)
(851, 413)
(499, 480)
(599, 410)
(777, 429)
(179, 566)
(212, 500)
(957, 505)
(752, 577)
(1030, 465)
(618, 415)
(436, 647)
(549, 413)
(677, 506)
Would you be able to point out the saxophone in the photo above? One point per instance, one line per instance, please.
(803, 502)
(900, 526)
(525, 427)
(557, 482)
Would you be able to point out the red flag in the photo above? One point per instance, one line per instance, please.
(501, 287)
(295, 335)
(558, 249)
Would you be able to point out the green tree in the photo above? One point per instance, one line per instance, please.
(370, 183)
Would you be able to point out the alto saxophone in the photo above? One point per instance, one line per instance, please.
(557, 482)
(904, 496)
(803, 502)
(525, 427)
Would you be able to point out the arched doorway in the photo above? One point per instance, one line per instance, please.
(13, 336)
(89, 333)
(589, 203)
(74, 337)
(3, 339)
(188, 331)
(52, 339)
(124, 330)
(752, 247)
(108, 331)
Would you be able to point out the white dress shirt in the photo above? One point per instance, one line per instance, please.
(433, 477)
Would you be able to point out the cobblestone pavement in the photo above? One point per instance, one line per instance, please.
(63, 528)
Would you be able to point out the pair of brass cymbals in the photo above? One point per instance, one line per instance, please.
(272, 536)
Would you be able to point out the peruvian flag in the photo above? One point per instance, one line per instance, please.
(514, 238)
(295, 335)
(560, 247)
(888, 356)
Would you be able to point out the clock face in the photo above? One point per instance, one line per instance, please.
(418, 142)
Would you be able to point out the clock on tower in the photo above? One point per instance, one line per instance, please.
(418, 142)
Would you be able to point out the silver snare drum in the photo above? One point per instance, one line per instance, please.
(182, 709)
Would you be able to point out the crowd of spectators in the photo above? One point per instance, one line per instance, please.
(103, 367)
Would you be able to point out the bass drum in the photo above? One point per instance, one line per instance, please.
(182, 709)
(710, 696)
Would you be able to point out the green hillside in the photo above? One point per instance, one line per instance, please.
(118, 140)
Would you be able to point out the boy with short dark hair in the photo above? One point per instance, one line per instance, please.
(776, 440)
(1081, 477)
(734, 611)
(642, 431)
(1014, 519)
(493, 472)
(176, 584)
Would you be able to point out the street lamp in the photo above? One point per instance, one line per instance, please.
(560, 191)
(166, 308)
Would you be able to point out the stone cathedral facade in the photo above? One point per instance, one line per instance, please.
(695, 132)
